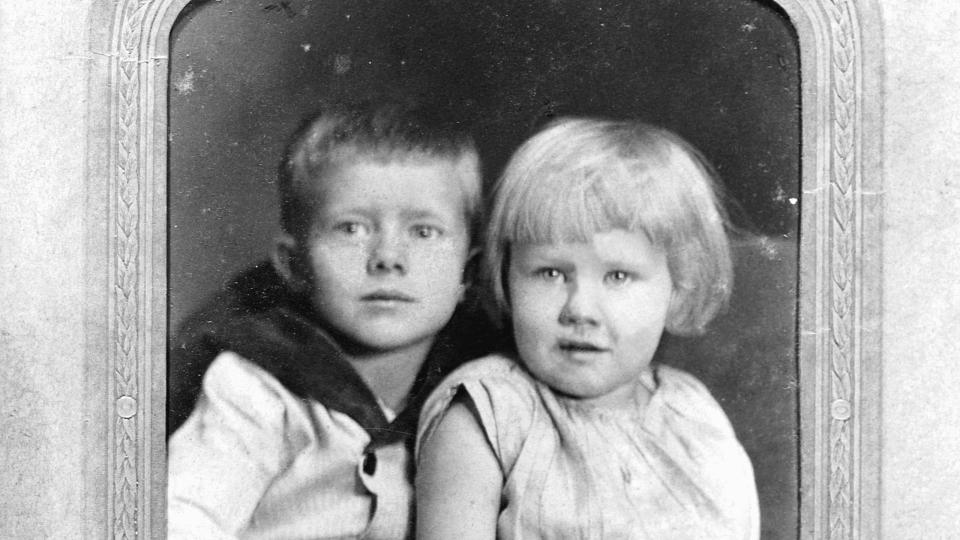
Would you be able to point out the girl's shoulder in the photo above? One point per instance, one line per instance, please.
(502, 395)
(684, 400)
(491, 367)
(677, 380)
(500, 377)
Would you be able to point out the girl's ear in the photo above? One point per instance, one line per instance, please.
(287, 263)
(677, 297)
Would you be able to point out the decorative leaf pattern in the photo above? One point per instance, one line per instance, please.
(127, 287)
(129, 238)
(842, 240)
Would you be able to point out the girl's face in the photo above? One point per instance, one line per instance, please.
(587, 317)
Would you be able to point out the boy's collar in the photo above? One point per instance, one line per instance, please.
(276, 330)
(260, 319)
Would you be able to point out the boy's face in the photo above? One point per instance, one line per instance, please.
(386, 251)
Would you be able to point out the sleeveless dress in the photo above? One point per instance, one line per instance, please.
(672, 471)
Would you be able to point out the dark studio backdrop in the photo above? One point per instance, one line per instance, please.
(723, 74)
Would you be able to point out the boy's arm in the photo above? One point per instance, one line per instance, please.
(222, 459)
(459, 480)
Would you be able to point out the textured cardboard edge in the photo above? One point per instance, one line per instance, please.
(840, 302)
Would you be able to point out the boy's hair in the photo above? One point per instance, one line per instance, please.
(581, 176)
(383, 132)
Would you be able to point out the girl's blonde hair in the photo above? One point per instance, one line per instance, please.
(580, 176)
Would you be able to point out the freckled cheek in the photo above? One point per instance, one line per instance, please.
(338, 267)
(446, 256)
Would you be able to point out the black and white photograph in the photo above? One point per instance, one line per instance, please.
(242, 76)
(478, 269)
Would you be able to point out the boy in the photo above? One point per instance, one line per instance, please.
(322, 359)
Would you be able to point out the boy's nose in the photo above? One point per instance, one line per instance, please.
(580, 308)
(387, 255)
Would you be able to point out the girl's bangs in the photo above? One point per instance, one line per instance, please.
(572, 206)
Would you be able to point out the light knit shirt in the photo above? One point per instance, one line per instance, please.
(256, 461)
(674, 470)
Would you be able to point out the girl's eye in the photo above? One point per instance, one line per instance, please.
(550, 274)
(617, 277)
(426, 232)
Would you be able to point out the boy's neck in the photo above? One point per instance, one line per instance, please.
(390, 375)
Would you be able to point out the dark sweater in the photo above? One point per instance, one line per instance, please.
(257, 317)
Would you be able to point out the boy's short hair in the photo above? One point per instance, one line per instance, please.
(379, 131)
(581, 176)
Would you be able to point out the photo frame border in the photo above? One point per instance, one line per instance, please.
(839, 347)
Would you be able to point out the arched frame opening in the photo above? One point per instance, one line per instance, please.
(839, 264)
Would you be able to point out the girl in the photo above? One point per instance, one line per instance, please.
(603, 234)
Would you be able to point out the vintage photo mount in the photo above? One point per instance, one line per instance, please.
(840, 263)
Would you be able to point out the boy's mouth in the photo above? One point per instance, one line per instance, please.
(575, 345)
(386, 295)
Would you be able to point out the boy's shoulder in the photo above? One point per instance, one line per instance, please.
(255, 316)
(246, 387)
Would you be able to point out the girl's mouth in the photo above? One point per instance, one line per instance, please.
(572, 346)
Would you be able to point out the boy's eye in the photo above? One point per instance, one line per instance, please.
(617, 277)
(550, 274)
(426, 232)
(351, 227)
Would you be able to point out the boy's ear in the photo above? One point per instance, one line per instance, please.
(471, 271)
(287, 262)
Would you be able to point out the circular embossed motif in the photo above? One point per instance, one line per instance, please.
(841, 409)
(126, 406)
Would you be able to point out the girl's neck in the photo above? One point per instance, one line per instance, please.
(630, 399)
(390, 374)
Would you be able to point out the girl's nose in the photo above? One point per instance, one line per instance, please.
(581, 307)
(388, 255)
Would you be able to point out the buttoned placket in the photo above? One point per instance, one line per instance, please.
(383, 472)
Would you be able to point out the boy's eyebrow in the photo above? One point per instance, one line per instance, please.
(363, 211)
(419, 213)
(371, 212)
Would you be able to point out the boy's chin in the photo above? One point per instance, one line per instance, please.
(371, 343)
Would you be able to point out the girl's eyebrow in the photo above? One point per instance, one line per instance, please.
(641, 265)
(544, 259)
(617, 262)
